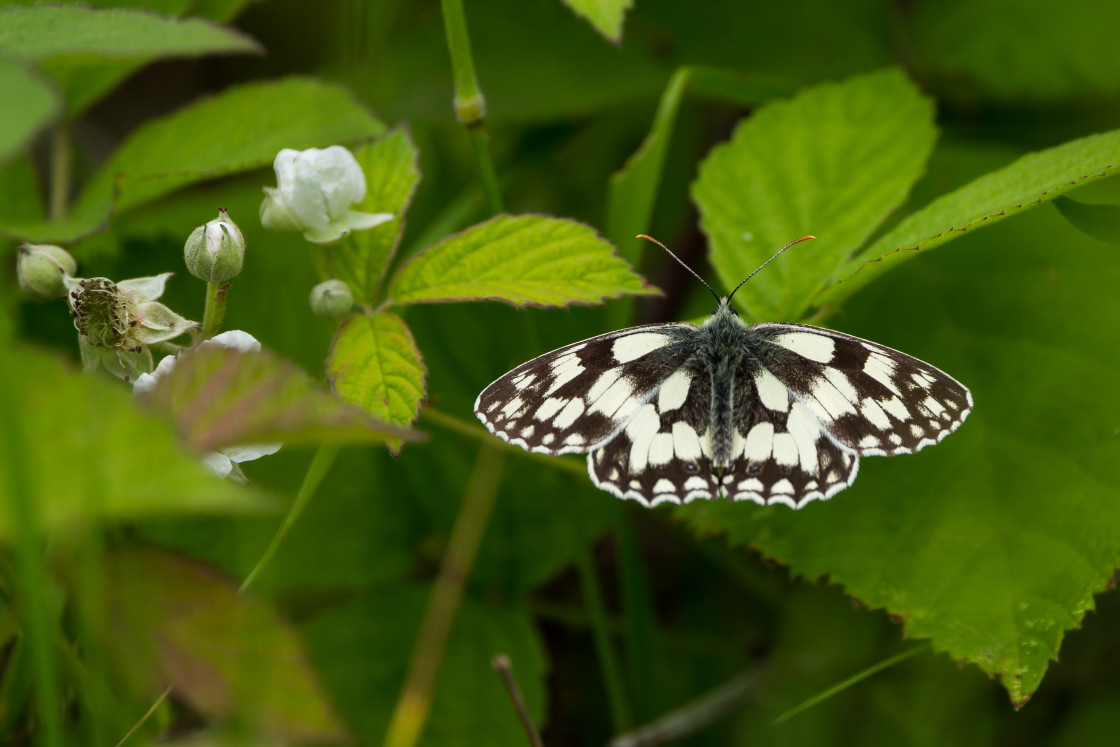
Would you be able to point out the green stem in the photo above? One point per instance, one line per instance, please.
(316, 471)
(37, 625)
(61, 157)
(470, 105)
(478, 433)
(474, 515)
(600, 626)
(480, 143)
(855, 678)
(215, 310)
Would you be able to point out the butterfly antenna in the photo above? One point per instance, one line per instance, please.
(650, 238)
(787, 246)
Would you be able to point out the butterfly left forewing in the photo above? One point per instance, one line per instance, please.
(576, 397)
(870, 398)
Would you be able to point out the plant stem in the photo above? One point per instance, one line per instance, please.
(478, 433)
(470, 105)
(31, 592)
(215, 310)
(504, 669)
(316, 471)
(600, 630)
(693, 716)
(474, 515)
(854, 679)
(61, 157)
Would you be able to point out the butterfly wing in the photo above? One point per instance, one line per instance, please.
(871, 399)
(663, 454)
(577, 397)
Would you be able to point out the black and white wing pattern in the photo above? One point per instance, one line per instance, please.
(821, 399)
(772, 413)
(579, 396)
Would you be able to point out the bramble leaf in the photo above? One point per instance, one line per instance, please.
(38, 105)
(374, 363)
(524, 260)
(120, 464)
(604, 15)
(1031, 180)
(255, 121)
(634, 187)
(43, 32)
(177, 623)
(390, 166)
(992, 544)
(220, 397)
(833, 162)
(1102, 222)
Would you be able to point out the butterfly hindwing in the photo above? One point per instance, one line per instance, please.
(578, 396)
(872, 400)
(663, 454)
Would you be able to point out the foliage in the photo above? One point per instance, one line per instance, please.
(371, 611)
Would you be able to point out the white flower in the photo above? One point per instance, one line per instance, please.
(315, 189)
(219, 462)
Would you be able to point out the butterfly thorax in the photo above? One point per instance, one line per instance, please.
(723, 354)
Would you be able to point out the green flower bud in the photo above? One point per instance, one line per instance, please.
(43, 270)
(215, 252)
(331, 299)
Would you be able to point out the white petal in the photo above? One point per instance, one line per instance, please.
(234, 339)
(351, 220)
(284, 166)
(217, 463)
(303, 194)
(358, 221)
(145, 382)
(146, 289)
(343, 182)
(249, 452)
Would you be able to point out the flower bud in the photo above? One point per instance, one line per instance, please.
(43, 270)
(215, 252)
(331, 299)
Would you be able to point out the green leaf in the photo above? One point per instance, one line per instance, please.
(44, 32)
(1102, 222)
(633, 188)
(1033, 179)
(38, 105)
(605, 15)
(374, 363)
(390, 166)
(832, 162)
(178, 624)
(242, 128)
(119, 464)
(525, 260)
(362, 650)
(1017, 51)
(992, 544)
(221, 397)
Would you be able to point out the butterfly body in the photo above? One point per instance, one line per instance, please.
(773, 413)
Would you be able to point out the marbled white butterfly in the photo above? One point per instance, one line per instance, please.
(773, 413)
